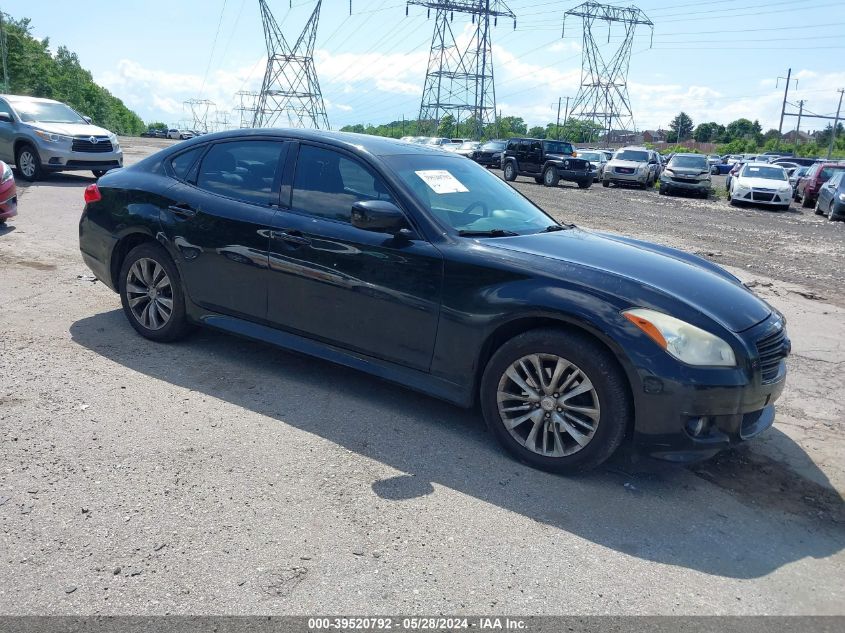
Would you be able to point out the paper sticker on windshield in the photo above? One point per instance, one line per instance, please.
(441, 181)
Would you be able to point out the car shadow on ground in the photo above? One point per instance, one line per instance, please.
(59, 179)
(661, 513)
(6, 227)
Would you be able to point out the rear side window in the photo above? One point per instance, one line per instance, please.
(242, 170)
(827, 172)
(327, 184)
(182, 163)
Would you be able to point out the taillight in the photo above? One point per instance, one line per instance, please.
(92, 194)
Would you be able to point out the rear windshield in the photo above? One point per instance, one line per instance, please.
(632, 154)
(761, 171)
(557, 147)
(590, 156)
(689, 162)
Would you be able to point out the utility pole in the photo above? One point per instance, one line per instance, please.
(798, 126)
(783, 107)
(835, 124)
(3, 53)
(557, 125)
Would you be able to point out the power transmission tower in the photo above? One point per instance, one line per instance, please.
(200, 109)
(290, 91)
(221, 120)
(603, 95)
(459, 80)
(246, 107)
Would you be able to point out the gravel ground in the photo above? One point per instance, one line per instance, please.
(221, 476)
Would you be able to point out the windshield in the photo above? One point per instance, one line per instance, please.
(761, 171)
(689, 162)
(45, 112)
(495, 146)
(632, 154)
(469, 145)
(464, 196)
(592, 156)
(557, 147)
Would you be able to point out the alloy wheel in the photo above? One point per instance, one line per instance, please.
(548, 405)
(149, 293)
(27, 161)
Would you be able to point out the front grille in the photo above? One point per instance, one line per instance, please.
(102, 146)
(689, 181)
(771, 349)
(624, 170)
(758, 196)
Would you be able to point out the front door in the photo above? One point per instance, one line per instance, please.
(361, 290)
(218, 224)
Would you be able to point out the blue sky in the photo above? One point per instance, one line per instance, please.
(716, 60)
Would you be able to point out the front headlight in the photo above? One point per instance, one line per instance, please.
(50, 137)
(688, 343)
(7, 173)
(114, 142)
(668, 172)
(842, 197)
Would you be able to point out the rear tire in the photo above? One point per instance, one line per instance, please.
(605, 183)
(817, 209)
(510, 171)
(151, 293)
(806, 203)
(580, 431)
(28, 163)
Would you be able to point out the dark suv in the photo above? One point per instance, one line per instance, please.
(547, 161)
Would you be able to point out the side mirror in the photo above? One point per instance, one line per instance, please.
(87, 119)
(5, 117)
(379, 216)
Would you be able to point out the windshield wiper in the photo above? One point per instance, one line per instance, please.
(554, 227)
(490, 233)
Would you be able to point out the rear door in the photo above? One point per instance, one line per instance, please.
(361, 290)
(218, 223)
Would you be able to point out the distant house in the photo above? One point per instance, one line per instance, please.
(654, 136)
(803, 137)
(624, 136)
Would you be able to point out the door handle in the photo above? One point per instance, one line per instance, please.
(293, 237)
(183, 210)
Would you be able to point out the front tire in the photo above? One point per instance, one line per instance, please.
(550, 177)
(585, 184)
(151, 294)
(605, 183)
(28, 163)
(806, 203)
(510, 172)
(556, 400)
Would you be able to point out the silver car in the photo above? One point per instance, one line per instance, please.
(632, 165)
(42, 135)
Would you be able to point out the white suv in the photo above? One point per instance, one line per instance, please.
(633, 166)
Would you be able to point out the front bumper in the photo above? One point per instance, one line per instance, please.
(773, 198)
(735, 404)
(637, 177)
(8, 199)
(58, 157)
(698, 186)
(488, 161)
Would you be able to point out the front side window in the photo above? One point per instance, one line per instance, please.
(328, 183)
(827, 172)
(4, 107)
(557, 147)
(242, 170)
(463, 196)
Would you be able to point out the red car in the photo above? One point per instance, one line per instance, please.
(807, 189)
(8, 194)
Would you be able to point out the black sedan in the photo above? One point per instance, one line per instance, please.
(490, 153)
(422, 268)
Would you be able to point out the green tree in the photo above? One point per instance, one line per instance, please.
(34, 71)
(447, 126)
(537, 132)
(682, 126)
(708, 132)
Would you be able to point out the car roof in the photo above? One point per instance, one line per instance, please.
(691, 154)
(754, 163)
(352, 141)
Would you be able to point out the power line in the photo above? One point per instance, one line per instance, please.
(213, 46)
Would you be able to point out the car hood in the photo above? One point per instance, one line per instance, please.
(687, 171)
(763, 183)
(702, 285)
(70, 129)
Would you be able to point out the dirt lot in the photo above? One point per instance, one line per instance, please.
(220, 476)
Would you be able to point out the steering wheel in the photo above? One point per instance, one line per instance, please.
(485, 211)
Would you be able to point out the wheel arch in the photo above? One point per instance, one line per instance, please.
(525, 323)
(19, 143)
(121, 249)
